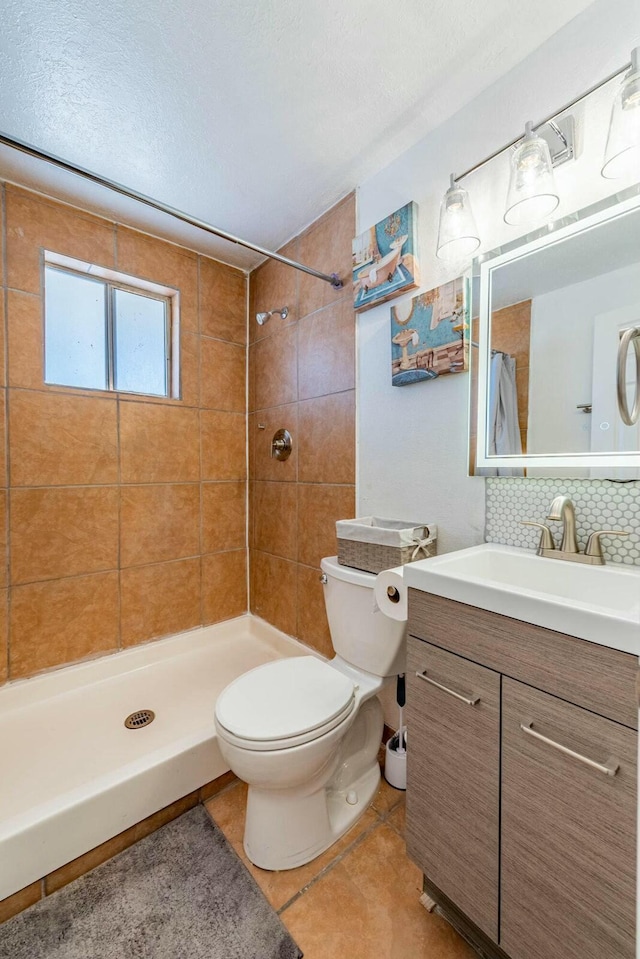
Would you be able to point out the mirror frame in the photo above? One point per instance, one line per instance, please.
(483, 267)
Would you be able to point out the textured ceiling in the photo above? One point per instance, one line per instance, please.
(255, 116)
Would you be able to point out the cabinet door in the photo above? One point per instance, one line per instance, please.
(568, 857)
(453, 778)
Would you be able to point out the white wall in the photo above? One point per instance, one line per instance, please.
(561, 358)
(412, 441)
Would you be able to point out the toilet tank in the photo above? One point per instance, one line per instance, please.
(361, 634)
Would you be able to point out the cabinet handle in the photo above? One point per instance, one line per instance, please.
(450, 692)
(610, 768)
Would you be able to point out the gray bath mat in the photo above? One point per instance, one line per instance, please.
(181, 893)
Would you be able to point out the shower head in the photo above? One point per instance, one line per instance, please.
(263, 317)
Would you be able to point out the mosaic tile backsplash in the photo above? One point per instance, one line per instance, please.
(600, 504)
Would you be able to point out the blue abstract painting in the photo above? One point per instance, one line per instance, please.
(385, 261)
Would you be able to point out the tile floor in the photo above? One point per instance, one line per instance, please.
(360, 899)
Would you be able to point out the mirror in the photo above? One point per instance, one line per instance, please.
(556, 339)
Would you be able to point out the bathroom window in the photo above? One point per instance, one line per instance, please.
(108, 331)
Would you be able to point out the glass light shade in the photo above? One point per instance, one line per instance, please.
(532, 191)
(622, 153)
(457, 232)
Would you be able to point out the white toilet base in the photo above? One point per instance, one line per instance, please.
(283, 832)
(285, 828)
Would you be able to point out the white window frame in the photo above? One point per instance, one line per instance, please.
(131, 284)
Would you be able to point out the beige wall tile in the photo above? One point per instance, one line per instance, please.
(3, 438)
(273, 518)
(2, 237)
(34, 224)
(189, 368)
(223, 445)
(159, 444)
(326, 428)
(312, 626)
(63, 532)
(26, 897)
(167, 814)
(159, 523)
(3, 379)
(58, 439)
(318, 509)
(211, 789)
(273, 372)
(4, 525)
(4, 641)
(222, 376)
(262, 466)
(25, 341)
(223, 301)
(224, 516)
(274, 590)
(273, 285)
(159, 600)
(62, 621)
(224, 585)
(327, 245)
(326, 351)
(164, 263)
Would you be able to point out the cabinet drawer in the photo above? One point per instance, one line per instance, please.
(453, 774)
(568, 855)
(598, 678)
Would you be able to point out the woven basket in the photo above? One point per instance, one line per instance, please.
(373, 558)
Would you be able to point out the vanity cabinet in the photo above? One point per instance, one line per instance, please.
(526, 837)
(568, 850)
(455, 768)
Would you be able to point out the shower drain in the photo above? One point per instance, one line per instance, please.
(142, 717)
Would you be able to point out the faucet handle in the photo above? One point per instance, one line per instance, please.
(594, 546)
(546, 538)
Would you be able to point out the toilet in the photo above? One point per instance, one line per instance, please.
(304, 733)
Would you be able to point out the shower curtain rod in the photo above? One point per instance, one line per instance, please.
(22, 147)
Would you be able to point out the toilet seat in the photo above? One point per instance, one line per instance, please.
(285, 703)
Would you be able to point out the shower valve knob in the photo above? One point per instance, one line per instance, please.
(281, 445)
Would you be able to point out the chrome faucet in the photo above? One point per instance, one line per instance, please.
(562, 510)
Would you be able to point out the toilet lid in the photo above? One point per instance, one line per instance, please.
(286, 698)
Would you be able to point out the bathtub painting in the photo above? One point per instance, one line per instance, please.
(429, 335)
(75, 776)
(385, 263)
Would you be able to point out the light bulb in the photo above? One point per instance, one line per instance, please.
(458, 234)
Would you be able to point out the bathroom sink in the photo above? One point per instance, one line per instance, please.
(598, 603)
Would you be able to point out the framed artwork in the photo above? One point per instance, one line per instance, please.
(430, 335)
(385, 261)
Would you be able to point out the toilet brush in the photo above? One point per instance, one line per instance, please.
(401, 699)
(395, 764)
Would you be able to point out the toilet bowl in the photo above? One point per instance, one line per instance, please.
(304, 733)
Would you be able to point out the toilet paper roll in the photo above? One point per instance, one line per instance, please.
(390, 592)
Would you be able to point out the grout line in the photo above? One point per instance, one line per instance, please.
(334, 862)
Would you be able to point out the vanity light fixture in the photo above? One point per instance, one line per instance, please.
(622, 153)
(532, 194)
(458, 235)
